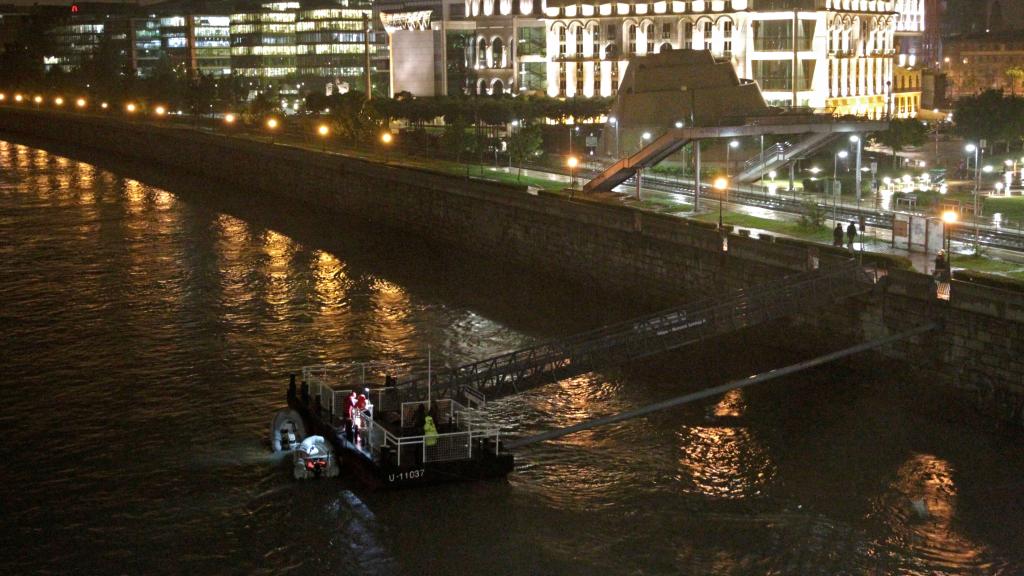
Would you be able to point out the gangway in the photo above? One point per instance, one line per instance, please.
(646, 336)
(722, 388)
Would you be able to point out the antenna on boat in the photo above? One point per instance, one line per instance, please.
(429, 374)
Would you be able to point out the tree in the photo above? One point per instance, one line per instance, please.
(902, 132)
(1015, 74)
(457, 140)
(524, 144)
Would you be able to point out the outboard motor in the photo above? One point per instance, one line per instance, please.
(288, 439)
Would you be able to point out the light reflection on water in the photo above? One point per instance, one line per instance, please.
(150, 335)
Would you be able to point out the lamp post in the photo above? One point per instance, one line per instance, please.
(732, 144)
(722, 185)
(323, 131)
(835, 170)
(615, 122)
(948, 219)
(272, 127)
(386, 139)
(572, 162)
(856, 140)
(977, 184)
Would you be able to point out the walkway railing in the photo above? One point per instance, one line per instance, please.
(639, 338)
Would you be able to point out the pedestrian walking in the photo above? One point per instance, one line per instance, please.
(851, 234)
(837, 235)
(941, 267)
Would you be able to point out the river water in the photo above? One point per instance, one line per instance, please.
(148, 334)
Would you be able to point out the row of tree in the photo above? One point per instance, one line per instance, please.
(990, 115)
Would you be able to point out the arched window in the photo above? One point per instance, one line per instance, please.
(481, 53)
(595, 31)
(498, 87)
(649, 30)
(631, 33)
(709, 34)
(579, 40)
(665, 47)
(497, 53)
(611, 51)
(561, 41)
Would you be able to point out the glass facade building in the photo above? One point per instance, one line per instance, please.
(331, 45)
(263, 42)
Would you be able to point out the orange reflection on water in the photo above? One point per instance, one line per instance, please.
(725, 462)
(921, 508)
(389, 321)
(332, 284)
(278, 248)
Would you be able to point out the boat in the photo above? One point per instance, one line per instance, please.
(312, 456)
(386, 442)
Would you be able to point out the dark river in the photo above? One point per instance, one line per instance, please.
(147, 337)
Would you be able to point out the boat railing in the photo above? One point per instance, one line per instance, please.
(471, 432)
(444, 410)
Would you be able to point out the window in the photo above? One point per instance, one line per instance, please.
(687, 31)
(666, 30)
(531, 41)
(579, 40)
(631, 31)
(579, 78)
(596, 39)
(727, 37)
(650, 38)
(561, 41)
(709, 30)
(773, 74)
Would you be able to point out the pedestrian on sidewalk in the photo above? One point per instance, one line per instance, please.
(851, 234)
(941, 271)
(837, 235)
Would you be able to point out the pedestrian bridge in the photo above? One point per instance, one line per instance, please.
(814, 127)
(645, 336)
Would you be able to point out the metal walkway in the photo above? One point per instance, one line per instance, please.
(646, 336)
(674, 139)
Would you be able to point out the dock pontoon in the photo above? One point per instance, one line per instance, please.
(385, 441)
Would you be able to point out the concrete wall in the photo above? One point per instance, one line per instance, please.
(658, 259)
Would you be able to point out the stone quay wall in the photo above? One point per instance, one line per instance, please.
(656, 259)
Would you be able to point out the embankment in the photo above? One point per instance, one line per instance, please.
(657, 259)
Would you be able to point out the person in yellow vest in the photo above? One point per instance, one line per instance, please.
(429, 432)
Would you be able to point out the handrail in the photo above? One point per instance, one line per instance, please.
(502, 374)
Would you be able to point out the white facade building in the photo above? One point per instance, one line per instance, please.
(834, 54)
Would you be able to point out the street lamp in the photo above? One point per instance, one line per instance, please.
(977, 185)
(38, 100)
(58, 101)
(948, 219)
(104, 105)
(160, 110)
(130, 108)
(272, 127)
(572, 162)
(386, 139)
(615, 122)
(722, 185)
(18, 98)
(856, 139)
(229, 118)
(835, 161)
(644, 138)
(80, 102)
(323, 131)
(732, 144)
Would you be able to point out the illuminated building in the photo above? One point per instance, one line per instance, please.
(263, 41)
(331, 46)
